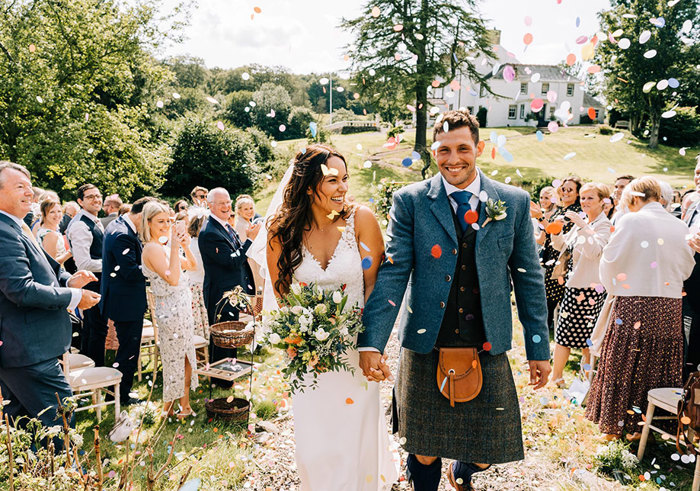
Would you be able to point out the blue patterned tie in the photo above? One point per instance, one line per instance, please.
(462, 199)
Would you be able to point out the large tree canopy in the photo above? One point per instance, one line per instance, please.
(77, 92)
(414, 44)
(650, 59)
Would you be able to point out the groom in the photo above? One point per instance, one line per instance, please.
(457, 271)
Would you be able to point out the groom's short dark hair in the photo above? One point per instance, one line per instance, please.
(455, 120)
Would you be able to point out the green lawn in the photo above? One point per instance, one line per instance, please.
(596, 159)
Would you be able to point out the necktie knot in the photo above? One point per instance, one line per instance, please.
(461, 197)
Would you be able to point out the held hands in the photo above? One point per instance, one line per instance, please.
(374, 367)
(539, 373)
(88, 300)
(80, 279)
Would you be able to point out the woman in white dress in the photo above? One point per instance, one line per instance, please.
(49, 237)
(163, 266)
(342, 440)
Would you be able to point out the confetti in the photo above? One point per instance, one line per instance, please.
(367, 262)
(376, 11)
(245, 76)
(539, 135)
(527, 39)
(436, 251)
(624, 43)
(569, 155)
(349, 401)
(644, 36)
(487, 346)
(472, 216)
(617, 137)
(220, 125)
(536, 338)
(421, 331)
(257, 10)
(407, 162)
(391, 302)
(650, 54)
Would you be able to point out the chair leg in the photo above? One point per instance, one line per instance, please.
(645, 431)
(117, 408)
(696, 477)
(98, 396)
(138, 367)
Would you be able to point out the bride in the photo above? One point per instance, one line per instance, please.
(315, 236)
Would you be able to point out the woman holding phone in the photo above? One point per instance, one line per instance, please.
(163, 265)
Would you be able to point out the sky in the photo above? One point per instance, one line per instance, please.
(303, 35)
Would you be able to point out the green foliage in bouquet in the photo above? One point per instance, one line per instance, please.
(316, 328)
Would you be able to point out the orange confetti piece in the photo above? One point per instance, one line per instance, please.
(493, 153)
(349, 401)
(554, 228)
(487, 346)
(685, 420)
(257, 10)
(436, 251)
(472, 216)
(591, 113)
(570, 59)
(527, 38)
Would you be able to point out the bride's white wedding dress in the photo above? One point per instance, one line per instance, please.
(342, 441)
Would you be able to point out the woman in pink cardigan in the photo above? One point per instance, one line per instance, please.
(643, 267)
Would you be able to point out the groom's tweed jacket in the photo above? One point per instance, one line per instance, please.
(420, 219)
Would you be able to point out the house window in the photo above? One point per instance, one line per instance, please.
(523, 87)
(482, 91)
(596, 113)
(522, 111)
(569, 89)
(551, 111)
(545, 87)
(511, 111)
(452, 106)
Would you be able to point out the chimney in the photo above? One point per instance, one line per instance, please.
(495, 36)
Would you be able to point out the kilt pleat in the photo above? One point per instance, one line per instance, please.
(486, 429)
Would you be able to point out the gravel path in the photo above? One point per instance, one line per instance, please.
(274, 467)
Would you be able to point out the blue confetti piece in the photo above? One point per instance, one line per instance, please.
(367, 263)
(415, 155)
(407, 162)
(472, 92)
(589, 342)
(371, 200)
(536, 338)
(364, 246)
(506, 154)
(673, 83)
(539, 135)
(658, 22)
(618, 322)
(586, 366)
(578, 21)
(313, 127)
(191, 485)
(443, 384)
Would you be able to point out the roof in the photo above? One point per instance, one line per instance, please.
(548, 73)
(590, 101)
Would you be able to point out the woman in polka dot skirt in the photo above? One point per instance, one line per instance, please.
(569, 201)
(643, 267)
(584, 295)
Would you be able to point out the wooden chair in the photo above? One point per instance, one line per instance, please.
(91, 381)
(666, 398)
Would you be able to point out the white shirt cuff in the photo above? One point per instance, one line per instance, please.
(75, 295)
(368, 348)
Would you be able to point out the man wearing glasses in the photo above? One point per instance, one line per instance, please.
(85, 235)
(199, 196)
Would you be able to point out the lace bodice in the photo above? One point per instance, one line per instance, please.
(344, 267)
(159, 286)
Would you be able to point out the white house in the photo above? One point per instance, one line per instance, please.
(559, 96)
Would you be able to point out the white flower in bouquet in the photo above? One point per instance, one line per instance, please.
(321, 309)
(297, 310)
(284, 310)
(343, 331)
(274, 338)
(296, 288)
(321, 335)
(337, 297)
(304, 322)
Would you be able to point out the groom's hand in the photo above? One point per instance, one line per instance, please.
(539, 372)
(374, 367)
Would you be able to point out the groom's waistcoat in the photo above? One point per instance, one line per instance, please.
(463, 323)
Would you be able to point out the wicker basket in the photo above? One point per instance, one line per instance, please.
(231, 334)
(236, 410)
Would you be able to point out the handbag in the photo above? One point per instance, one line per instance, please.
(688, 430)
(459, 376)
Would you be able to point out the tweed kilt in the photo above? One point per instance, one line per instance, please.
(486, 429)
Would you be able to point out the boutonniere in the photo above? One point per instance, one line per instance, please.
(495, 210)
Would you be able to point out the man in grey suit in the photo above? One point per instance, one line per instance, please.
(691, 301)
(454, 252)
(35, 295)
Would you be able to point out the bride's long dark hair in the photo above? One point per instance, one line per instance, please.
(294, 216)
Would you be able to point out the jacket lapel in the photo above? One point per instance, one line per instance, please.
(486, 185)
(440, 206)
(223, 232)
(691, 212)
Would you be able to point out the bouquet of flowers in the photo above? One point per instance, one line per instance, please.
(316, 328)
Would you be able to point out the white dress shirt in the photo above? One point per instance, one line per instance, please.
(75, 293)
(197, 275)
(80, 239)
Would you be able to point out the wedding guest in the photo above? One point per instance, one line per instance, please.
(643, 267)
(70, 209)
(690, 198)
(666, 199)
(35, 296)
(33, 215)
(111, 207)
(164, 267)
(124, 292)
(245, 215)
(620, 184)
(180, 206)
(124, 209)
(225, 264)
(45, 195)
(691, 301)
(584, 295)
(85, 235)
(199, 196)
(49, 237)
(546, 206)
(568, 194)
(196, 277)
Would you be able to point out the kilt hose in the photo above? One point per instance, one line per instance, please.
(486, 429)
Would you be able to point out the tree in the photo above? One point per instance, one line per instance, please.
(272, 108)
(78, 90)
(635, 75)
(204, 155)
(417, 44)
